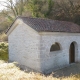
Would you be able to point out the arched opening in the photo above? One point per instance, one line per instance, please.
(72, 53)
(55, 47)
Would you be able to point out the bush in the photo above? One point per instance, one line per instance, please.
(4, 51)
(3, 37)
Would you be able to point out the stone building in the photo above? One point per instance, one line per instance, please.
(43, 45)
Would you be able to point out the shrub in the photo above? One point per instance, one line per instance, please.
(4, 51)
(3, 37)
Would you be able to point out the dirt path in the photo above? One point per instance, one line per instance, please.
(67, 71)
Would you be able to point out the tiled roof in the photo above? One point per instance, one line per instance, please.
(47, 25)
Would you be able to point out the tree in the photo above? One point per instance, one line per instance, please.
(50, 8)
(14, 9)
(67, 11)
(40, 8)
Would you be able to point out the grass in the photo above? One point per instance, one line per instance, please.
(9, 71)
(4, 51)
(3, 55)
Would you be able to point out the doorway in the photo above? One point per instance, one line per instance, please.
(72, 53)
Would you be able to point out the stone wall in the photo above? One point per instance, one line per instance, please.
(58, 59)
(24, 47)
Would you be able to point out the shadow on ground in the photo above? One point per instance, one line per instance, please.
(73, 69)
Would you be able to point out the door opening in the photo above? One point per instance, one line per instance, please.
(72, 53)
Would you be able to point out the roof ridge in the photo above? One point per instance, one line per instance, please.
(45, 19)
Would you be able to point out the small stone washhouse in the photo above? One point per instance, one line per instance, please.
(43, 45)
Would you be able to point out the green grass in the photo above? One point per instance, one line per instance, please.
(4, 51)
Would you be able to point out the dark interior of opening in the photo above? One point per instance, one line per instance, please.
(55, 47)
(72, 53)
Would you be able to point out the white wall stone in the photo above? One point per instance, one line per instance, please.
(24, 47)
(58, 59)
(32, 49)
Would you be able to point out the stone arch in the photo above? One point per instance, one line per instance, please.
(73, 52)
(55, 47)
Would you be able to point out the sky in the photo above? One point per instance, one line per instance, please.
(2, 7)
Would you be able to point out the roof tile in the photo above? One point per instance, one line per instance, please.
(48, 25)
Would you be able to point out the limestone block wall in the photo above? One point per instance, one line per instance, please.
(32, 49)
(57, 59)
(24, 46)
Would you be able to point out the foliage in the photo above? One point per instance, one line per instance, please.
(67, 11)
(35, 7)
(64, 10)
(14, 8)
(5, 21)
(3, 37)
(50, 8)
(3, 51)
(40, 8)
